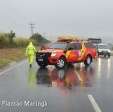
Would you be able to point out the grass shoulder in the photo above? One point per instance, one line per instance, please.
(9, 55)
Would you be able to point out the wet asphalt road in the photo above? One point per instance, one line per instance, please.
(76, 89)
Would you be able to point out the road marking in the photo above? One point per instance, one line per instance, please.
(78, 75)
(10, 68)
(94, 104)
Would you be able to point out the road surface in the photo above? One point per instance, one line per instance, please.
(76, 89)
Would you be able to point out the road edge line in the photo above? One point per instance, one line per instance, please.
(11, 68)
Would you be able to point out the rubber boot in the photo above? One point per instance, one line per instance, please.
(30, 65)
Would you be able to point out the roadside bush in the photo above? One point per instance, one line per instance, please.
(5, 41)
(23, 42)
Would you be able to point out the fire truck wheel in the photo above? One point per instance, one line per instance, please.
(61, 63)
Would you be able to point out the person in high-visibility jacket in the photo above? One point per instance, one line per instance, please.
(30, 53)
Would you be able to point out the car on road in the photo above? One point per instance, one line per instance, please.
(103, 50)
(61, 54)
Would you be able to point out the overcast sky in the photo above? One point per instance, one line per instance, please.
(56, 17)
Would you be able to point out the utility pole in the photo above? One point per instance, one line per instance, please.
(32, 26)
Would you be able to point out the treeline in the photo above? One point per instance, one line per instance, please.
(9, 40)
(39, 39)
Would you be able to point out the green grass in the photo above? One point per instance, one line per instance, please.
(4, 62)
(11, 55)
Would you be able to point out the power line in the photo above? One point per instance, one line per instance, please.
(32, 26)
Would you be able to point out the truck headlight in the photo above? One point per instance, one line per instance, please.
(99, 51)
(109, 51)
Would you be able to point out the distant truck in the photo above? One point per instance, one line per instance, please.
(62, 53)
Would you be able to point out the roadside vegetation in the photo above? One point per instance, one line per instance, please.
(12, 48)
(9, 55)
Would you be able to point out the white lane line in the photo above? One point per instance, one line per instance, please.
(78, 75)
(94, 104)
(10, 68)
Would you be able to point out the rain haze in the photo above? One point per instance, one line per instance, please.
(57, 17)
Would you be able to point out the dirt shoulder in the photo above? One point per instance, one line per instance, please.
(9, 55)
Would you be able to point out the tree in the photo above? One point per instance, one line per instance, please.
(11, 36)
(39, 38)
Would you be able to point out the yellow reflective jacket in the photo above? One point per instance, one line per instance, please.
(30, 50)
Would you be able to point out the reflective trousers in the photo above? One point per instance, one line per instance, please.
(30, 59)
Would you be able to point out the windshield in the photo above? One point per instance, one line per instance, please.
(102, 47)
(58, 46)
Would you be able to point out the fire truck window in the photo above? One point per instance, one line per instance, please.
(89, 45)
(70, 47)
(77, 46)
(74, 46)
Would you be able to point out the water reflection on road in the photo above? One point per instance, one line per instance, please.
(63, 78)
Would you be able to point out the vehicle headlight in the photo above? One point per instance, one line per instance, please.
(109, 51)
(53, 54)
(99, 50)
